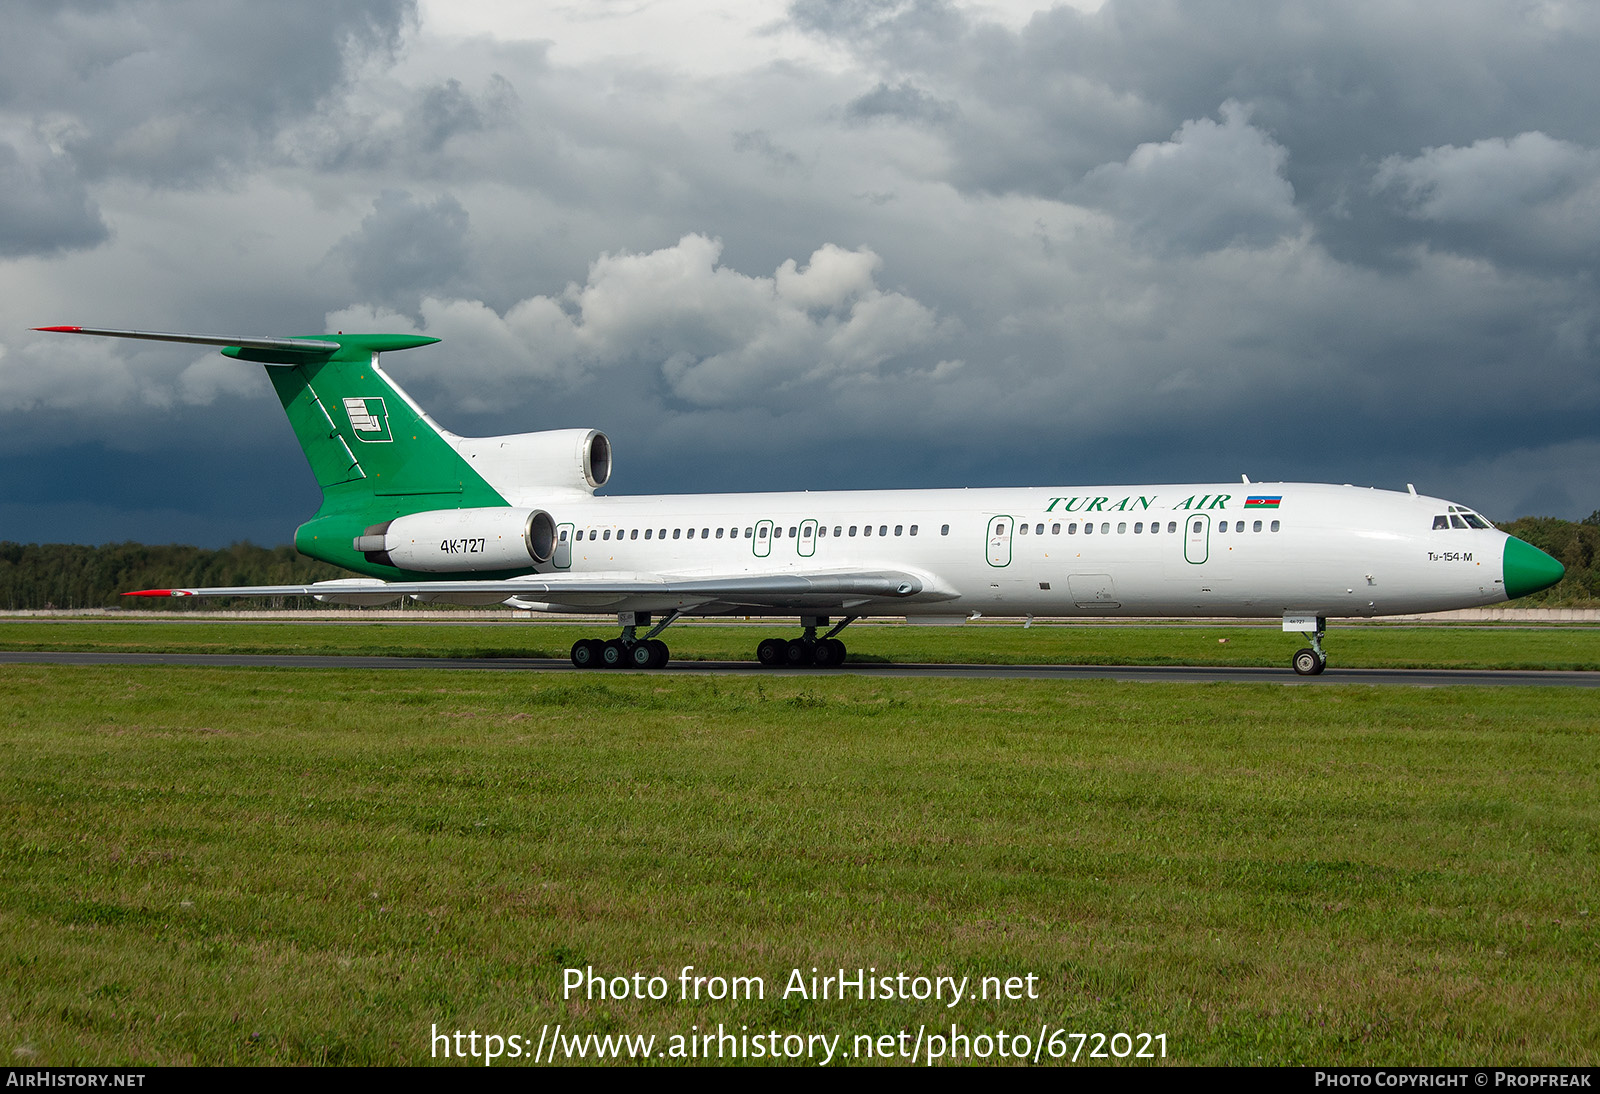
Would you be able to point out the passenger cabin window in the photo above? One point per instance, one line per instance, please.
(719, 533)
(1256, 527)
(675, 532)
(1022, 529)
(883, 529)
(1122, 528)
(1138, 527)
(1088, 529)
(913, 529)
(1055, 530)
(563, 538)
(866, 529)
(838, 529)
(852, 529)
(647, 533)
(1274, 526)
(944, 530)
(1105, 528)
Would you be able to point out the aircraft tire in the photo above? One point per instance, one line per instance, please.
(771, 652)
(613, 654)
(585, 653)
(797, 652)
(1307, 663)
(642, 655)
(829, 653)
(662, 654)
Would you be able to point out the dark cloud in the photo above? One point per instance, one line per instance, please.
(44, 207)
(902, 102)
(1340, 87)
(416, 141)
(171, 93)
(406, 248)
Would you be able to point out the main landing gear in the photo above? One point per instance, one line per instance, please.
(1311, 660)
(824, 653)
(629, 651)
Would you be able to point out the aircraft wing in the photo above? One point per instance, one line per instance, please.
(620, 591)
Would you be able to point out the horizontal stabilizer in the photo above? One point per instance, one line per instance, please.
(310, 347)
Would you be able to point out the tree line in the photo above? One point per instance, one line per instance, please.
(68, 575)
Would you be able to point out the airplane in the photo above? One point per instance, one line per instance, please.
(515, 520)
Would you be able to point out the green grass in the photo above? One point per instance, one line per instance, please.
(278, 866)
(1079, 644)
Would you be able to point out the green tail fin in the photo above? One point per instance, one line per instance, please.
(374, 452)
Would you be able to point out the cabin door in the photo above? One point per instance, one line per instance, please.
(1197, 538)
(1000, 529)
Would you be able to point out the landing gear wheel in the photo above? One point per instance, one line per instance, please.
(661, 651)
(642, 655)
(1307, 662)
(613, 654)
(586, 653)
(771, 652)
(829, 652)
(797, 652)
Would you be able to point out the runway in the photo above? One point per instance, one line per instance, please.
(1165, 674)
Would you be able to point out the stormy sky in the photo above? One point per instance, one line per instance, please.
(807, 244)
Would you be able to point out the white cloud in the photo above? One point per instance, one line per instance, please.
(713, 335)
(1213, 185)
(1530, 197)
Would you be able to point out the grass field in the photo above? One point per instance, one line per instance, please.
(1500, 647)
(281, 866)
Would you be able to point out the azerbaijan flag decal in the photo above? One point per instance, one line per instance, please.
(1262, 501)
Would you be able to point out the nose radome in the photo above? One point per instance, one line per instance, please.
(1528, 569)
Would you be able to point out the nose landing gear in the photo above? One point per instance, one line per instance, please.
(1313, 659)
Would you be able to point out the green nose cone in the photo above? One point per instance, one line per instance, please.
(1528, 569)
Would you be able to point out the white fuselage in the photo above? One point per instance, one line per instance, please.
(1168, 550)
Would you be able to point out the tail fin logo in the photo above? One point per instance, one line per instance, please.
(369, 418)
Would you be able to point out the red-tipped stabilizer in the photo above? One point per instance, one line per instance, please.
(67, 330)
(160, 592)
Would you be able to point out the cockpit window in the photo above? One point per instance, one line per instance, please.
(1440, 521)
(1457, 522)
(1474, 520)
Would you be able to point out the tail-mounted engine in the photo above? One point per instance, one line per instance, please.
(447, 541)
